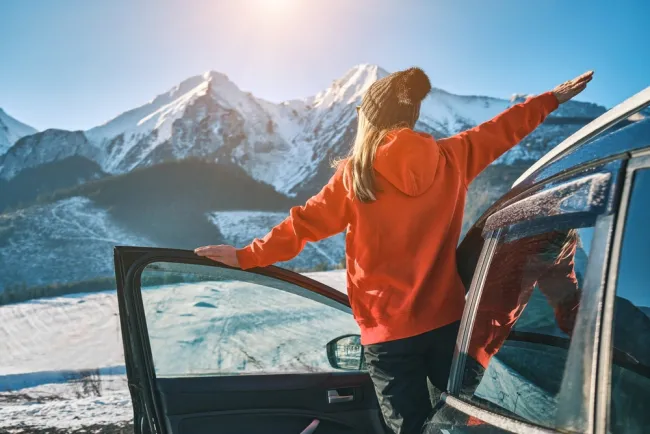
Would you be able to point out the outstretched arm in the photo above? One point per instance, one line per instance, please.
(475, 149)
(323, 215)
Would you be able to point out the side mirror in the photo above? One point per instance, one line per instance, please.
(346, 352)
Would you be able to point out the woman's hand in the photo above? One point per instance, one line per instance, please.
(225, 254)
(571, 88)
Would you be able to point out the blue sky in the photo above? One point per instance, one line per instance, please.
(75, 64)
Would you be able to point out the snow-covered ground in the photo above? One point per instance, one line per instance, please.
(216, 326)
(62, 362)
(506, 388)
(67, 241)
(239, 228)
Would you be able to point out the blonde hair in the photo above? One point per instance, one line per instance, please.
(360, 160)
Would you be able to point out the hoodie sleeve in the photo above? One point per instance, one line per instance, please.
(324, 215)
(475, 149)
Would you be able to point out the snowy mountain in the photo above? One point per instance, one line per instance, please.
(288, 145)
(43, 148)
(11, 130)
(66, 241)
(69, 237)
(206, 162)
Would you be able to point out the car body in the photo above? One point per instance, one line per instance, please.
(563, 346)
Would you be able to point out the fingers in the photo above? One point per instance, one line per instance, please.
(222, 253)
(583, 79)
(211, 250)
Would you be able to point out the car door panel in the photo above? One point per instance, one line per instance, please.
(268, 401)
(195, 395)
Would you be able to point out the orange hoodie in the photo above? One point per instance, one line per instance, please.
(401, 249)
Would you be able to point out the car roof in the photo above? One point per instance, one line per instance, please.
(595, 129)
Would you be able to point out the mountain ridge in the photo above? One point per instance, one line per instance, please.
(282, 144)
(11, 130)
(205, 162)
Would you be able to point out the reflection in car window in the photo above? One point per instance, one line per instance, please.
(630, 395)
(525, 319)
(204, 320)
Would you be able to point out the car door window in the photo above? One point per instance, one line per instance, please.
(204, 320)
(630, 386)
(533, 324)
(524, 323)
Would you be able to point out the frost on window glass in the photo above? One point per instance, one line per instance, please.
(527, 320)
(586, 194)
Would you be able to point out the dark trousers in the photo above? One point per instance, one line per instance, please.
(399, 370)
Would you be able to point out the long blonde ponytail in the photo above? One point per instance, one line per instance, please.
(361, 159)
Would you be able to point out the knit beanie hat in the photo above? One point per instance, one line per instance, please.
(396, 98)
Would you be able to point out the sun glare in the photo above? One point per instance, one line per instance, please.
(275, 4)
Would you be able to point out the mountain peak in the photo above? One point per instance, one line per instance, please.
(351, 86)
(213, 75)
(11, 130)
(363, 74)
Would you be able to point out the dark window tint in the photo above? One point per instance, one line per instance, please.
(630, 395)
(524, 325)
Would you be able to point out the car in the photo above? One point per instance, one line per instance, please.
(555, 335)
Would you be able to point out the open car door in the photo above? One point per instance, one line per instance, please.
(212, 349)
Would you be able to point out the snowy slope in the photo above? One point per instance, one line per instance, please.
(11, 130)
(42, 337)
(131, 138)
(43, 148)
(210, 327)
(239, 228)
(69, 240)
(43, 342)
(508, 389)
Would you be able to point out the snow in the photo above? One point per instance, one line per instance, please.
(43, 342)
(282, 144)
(58, 406)
(350, 88)
(74, 332)
(157, 115)
(11, 130)
(45, 147)
(576, 196)
(239, 228)
(226, 328)
(125, 122)
(219, 326)
(503, 386)
(454, 113)
(69, 240)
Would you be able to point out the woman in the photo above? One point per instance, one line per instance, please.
(401, 195)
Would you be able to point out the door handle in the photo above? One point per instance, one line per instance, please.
(333, 397)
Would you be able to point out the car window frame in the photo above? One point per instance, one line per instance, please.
(638, 161)
(451, 396)
(130, 262)
(134, 275)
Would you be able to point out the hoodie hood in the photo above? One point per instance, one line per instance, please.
(408, 160)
